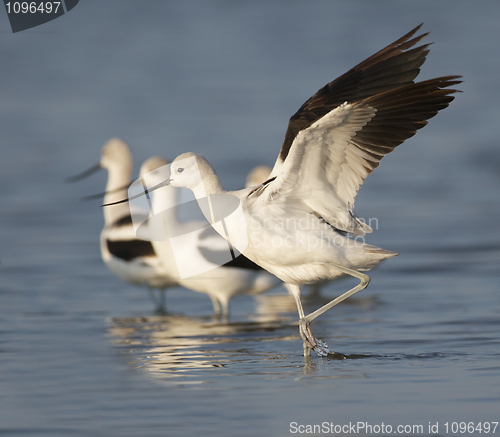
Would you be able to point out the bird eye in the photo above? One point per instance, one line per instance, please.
(180, 170)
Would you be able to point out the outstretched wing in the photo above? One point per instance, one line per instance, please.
(393, 66)
(331, 155)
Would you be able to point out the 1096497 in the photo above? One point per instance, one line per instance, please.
(32, 7)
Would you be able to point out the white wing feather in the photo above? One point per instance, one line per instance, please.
(324, 169)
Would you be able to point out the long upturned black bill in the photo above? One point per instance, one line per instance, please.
(144, 193)
(99, 195)
(84, 174)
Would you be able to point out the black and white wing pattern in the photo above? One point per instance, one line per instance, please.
(338, 137)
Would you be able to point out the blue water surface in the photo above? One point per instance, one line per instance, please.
(83, 354)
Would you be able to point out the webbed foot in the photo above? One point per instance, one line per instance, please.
(310, 342)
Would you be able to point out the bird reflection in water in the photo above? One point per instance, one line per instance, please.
(194, 350)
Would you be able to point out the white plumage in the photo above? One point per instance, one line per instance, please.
(201, 247)
(300, 224)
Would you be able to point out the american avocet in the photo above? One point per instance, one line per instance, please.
(300, 223)
(201, 247)
(131, 259)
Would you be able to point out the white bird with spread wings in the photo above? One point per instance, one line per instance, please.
(300, 223)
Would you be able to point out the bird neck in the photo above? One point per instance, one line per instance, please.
(208, 186)
(118, 177)
(165, 202)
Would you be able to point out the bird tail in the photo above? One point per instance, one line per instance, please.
(383, 253)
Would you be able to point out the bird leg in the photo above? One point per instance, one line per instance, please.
(152, 296)
(364, 280)
(217, 307)
(159, 303)
(163, 304)
(310, 342)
